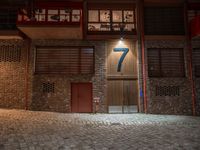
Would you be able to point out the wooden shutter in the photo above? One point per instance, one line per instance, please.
(64, 60)
(172, 62)
(196, 61)
(154, 63)
(87, 59)
(165, 62)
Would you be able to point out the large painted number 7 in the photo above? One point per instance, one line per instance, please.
(125, 51)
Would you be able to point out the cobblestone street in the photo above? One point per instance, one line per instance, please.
(27, 130)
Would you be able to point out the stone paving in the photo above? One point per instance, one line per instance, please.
(28, 130)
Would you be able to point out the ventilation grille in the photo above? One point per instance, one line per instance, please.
(48, 87)
(10, 53)
(167, 91)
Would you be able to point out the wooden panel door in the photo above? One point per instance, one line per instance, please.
(122, 94)
(115, 93)
(130, 92)
(81, 97)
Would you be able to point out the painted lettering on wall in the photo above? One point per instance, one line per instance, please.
(125, 51)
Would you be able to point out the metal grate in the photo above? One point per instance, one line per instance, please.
(167, 91)
(10, 53)
(48, 87)
(196, 61)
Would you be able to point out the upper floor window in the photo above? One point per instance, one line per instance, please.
(50, 15)
(111, 20)
(164, 21)
(8, 19)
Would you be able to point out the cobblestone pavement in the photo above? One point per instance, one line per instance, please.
(27, 130)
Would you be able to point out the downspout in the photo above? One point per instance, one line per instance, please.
(142, 39)
(190, 66)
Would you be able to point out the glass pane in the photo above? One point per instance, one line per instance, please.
(116, 27)
(93, 16)
(105, 27)
(53, 15)
(65, 15)
(40, 11)
(104, 16)
(40, 14)
(94, 26)
(75, 15)
(129, 27)
(128, 16)
(117, 16)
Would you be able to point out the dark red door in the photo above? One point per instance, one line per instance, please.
(81, 97)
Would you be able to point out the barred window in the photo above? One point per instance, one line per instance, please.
(64, 60)
(165, 62)
(196, 61)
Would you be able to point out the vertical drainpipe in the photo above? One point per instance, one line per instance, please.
(140, 5)
(27, 74)
(189, 47)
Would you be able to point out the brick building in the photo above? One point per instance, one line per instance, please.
(119, 56)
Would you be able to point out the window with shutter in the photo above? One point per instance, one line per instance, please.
(64, 60)
(165, 62)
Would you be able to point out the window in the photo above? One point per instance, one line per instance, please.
(111, 20)
(64, 60)
(196, 61)
(164, 21)
(39, 14)
(51, 15)
(165, 62)
(8, 19)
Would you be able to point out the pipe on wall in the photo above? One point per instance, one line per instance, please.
(190, 65)
(142, 43)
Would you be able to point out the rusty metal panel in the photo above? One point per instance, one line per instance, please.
(81, 97)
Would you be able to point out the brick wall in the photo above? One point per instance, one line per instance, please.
(60, 100)
(181, 104)
(12, 75)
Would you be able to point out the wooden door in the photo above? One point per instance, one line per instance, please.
(81, 97)
(122, 96)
